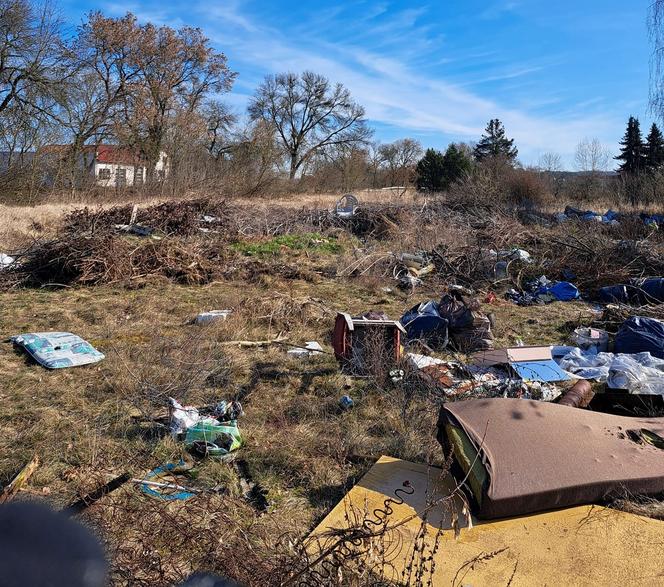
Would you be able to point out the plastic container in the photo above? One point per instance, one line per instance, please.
(591, 339)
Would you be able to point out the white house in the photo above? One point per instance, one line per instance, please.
(113, 165)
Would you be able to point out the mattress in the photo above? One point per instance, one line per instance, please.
(539, 456)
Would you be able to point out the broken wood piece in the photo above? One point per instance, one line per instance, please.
(254, 343)
(88, 499)
(19, 481)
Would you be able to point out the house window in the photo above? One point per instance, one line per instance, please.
(121, 177)
(104, 173)
(138, 176)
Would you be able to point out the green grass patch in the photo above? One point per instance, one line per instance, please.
(298, 242)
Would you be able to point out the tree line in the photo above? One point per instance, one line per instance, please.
(155, 89)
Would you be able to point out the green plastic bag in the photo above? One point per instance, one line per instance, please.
(219, 440)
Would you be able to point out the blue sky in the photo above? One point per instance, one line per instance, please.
(553, 72)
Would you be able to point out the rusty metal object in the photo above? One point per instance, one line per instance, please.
(579, 395)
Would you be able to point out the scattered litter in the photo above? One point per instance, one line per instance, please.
(655, 220)
(346, 402)
(637, 373)
(181, 417)
(251, 490)
(469, 327)
(514, 254)
(92, 497)
(610, 217)
(464, 381)
(639, 334)
(208, 218)
(368, 339)
(137, 229)
(578, 396)
(543, 291)
(215, 435)
(347, 206)
(159, 482)
(424, 323)
(57, 350)
(534, 363)
(310, 349)
(591, 339)
(637, 292)
(9, 492)
(6, 261)
(547, 454)
(208, 437)
(212, 316)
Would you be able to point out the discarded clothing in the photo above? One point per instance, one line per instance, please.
(424, 322)
(637, 373)
(639, 335)
(525, 456)
(57, 350)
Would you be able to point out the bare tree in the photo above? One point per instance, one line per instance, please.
(656, 29)
(29, 56)
(591, 156)
(175, 71)
(550, 162)
(399, 159)
(220, 121)
(309, 114)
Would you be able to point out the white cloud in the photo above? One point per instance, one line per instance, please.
(390, 88)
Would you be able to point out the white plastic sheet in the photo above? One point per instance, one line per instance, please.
(638, 373)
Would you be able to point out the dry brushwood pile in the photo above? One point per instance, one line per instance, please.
(193, 242)
(283, 273)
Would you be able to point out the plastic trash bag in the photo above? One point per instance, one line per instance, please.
(424, 322)
(639, 334)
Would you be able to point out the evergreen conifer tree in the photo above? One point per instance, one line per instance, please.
(494, 143)
(631, 149)
(654, 148)
(431, 171)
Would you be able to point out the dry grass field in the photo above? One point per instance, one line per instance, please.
(304, 452)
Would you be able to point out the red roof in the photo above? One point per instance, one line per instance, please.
(103, 153)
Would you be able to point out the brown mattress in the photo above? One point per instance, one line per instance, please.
(540, 456)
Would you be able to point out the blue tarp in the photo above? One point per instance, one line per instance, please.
(639, 334)
(424, 322)
(608, 218)
(638, 292)
(563, 291)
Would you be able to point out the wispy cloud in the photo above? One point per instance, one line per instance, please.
(403, 71)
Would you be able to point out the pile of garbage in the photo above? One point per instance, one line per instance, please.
(214, 435)
(456, 317)
(570, 213)
(544, 291)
